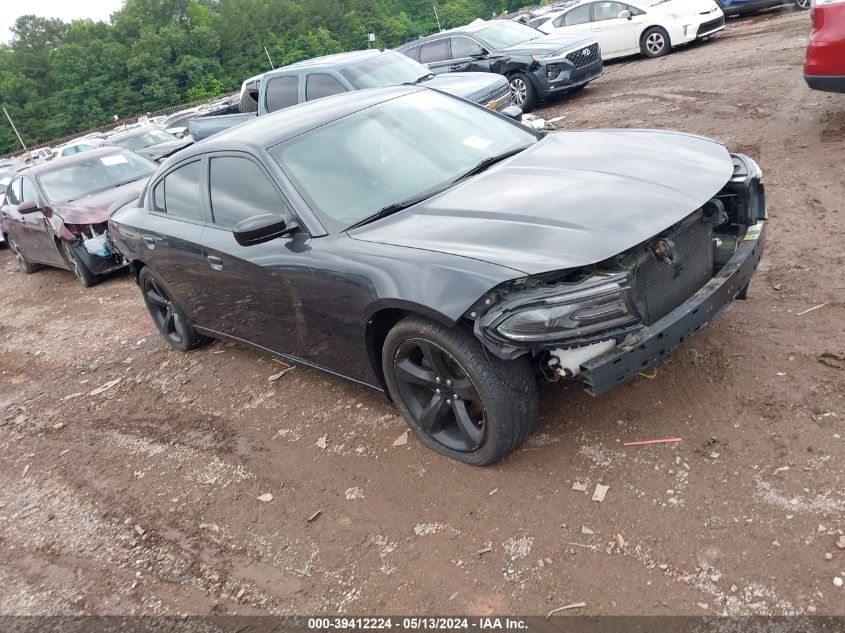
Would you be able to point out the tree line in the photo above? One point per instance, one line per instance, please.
(58, 78)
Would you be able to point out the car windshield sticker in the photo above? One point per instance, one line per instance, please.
(117, 159)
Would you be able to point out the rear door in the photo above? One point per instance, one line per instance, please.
(576, 20)
(468, 55)
(172, 233)
(437, 55)
(257, 289)
(615, 35)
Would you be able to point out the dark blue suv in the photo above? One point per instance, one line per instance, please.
(744, 7)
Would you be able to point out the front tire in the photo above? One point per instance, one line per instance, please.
(459, 400)
(523, 94)
(802, 5)
(170, 319)
(655, 42)
(24, 264)
(78, 267)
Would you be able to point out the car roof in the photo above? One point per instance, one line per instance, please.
(338, 60)
(269, 130)
(64, 161)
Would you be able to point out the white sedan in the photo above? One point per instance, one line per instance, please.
(650, 27)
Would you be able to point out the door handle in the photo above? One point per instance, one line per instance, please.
(215, 262)
(455, 66)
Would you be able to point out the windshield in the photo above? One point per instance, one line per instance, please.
(389, 69)
(392, 152)
(506, 34)
(147, 139)
(80, 178)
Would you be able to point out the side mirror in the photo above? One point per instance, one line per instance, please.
(28, 206)
(259, 229)
(480, 53)
(513, 112)
(624, 15)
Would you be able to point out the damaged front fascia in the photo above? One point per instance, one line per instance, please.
(528, 293)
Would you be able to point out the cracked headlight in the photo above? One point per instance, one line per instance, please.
(596, 304)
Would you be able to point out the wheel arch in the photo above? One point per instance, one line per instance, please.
(135, 267)
(382, 318)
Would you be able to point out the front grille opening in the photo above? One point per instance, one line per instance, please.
(661, 286)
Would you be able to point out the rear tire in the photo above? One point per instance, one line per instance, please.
(655, 42)
(78, 267)
(802, 5)
(523, 94)
(168, 316)
(459, 400)
(24, 264)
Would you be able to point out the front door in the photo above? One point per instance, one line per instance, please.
(258, 289)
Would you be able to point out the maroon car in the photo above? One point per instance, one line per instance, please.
(56, 214)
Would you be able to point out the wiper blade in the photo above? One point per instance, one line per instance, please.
(419, 80)
(391, 209)
(489, 162)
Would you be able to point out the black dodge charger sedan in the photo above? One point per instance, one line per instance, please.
(538, 66)
(444, 253)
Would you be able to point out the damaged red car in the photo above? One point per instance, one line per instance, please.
(56, 214)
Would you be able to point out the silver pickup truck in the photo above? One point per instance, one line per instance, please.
(345, 72)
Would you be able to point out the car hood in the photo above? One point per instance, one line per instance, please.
(95, 209)
(548, 44)
(573, 199)
(467, 85)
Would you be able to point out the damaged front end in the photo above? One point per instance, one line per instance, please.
(605, 322)
(92, 245)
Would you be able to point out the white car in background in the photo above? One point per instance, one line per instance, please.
(650, 27)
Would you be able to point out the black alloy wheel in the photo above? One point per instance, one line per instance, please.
(163, 313)
(459, 400)
(440, 395)
(168, 316)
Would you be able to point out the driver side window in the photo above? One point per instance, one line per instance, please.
(240, 189)
(30, 193)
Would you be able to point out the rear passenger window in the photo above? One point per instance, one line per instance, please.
(240, 189)
(282, 92)
(436, 51)
(321, 85)
(578, 15)
(182, 192)
(414, 53)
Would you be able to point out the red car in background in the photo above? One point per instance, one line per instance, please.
(824, 66)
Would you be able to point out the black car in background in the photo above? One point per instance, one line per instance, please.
(425, 245)
(537, 65)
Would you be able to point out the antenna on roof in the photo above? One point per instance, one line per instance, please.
(437, 17)
(268, 58)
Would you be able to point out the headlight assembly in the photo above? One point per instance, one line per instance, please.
(596, 304)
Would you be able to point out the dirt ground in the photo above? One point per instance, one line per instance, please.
(143, 498)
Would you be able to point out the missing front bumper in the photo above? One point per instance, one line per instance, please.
(652, 344)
